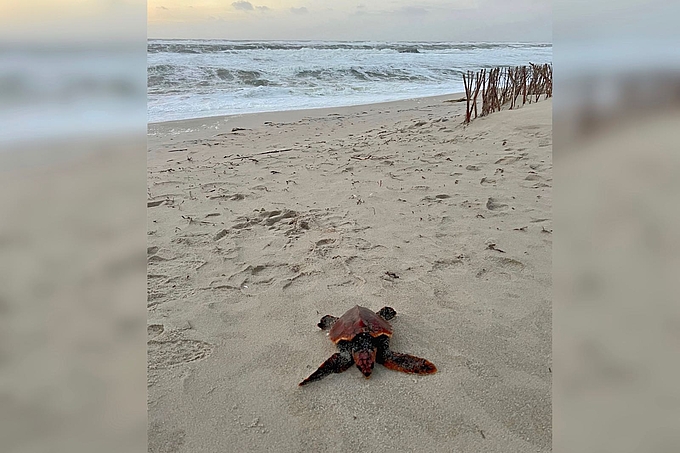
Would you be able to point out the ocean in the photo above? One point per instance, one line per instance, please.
(59, 91)
(201, 78)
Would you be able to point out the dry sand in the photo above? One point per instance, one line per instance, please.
(393, 204)
(72, 276)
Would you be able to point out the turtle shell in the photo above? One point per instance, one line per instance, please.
(359, 320)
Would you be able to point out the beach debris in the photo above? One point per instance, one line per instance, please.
(263, 153)
(524, 228)
(192, 220)
(492, 246)
(363, 338)
(391, 274)
(178, 150)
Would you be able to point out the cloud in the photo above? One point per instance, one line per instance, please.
(262, 8)
(301, 10)
(243, 6)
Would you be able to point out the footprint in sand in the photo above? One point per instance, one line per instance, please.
(506, 268)
(360, 244)
(509, 159)
(267, 218)
(154, 298)
(440, 265)
(508, 264)
(154, 330)
(493, 204)
(165, 354)
(220, 234)
(251, 276)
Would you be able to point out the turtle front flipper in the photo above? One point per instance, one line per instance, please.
(387, 313)
(337, 363)
(406, 363)
(327, 322)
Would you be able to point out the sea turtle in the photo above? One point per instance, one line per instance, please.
(363, 337)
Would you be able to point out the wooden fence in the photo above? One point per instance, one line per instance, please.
(508, 85)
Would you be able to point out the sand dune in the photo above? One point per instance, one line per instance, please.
(259, 225)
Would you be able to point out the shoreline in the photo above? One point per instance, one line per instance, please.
(315, 110)
(169, 132)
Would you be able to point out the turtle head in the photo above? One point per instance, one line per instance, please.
(363, 353)
(365, 359)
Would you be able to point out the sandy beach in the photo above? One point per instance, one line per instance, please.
(260, 224)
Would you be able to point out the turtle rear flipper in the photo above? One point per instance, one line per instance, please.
(337, 363)
(406, 363)
(327, 322)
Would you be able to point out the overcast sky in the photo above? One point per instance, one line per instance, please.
(385, 20)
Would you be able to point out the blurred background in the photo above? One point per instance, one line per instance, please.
(616, 251)
(72, 226)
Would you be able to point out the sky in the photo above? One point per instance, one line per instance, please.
(380, 20)
(81, 21)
